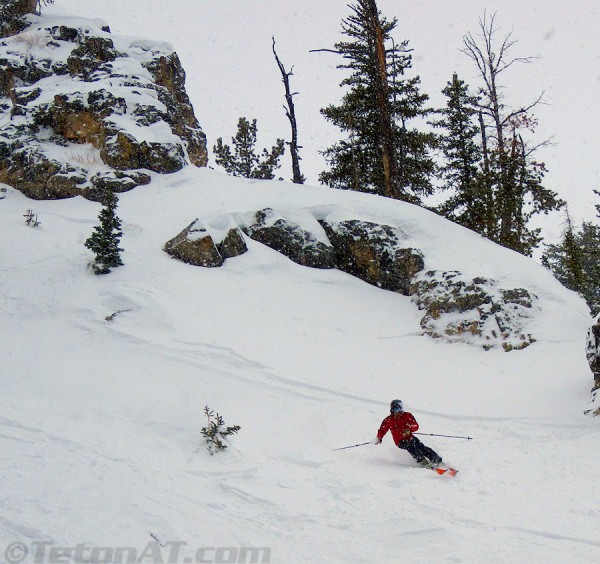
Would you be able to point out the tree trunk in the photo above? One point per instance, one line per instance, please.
(490, 219)
(386, 129)
(290, 112)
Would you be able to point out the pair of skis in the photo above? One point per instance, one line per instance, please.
(441, 470)
(430, 466)
(449, 471)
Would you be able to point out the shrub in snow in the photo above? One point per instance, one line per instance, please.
(31, 218)
(215, 431)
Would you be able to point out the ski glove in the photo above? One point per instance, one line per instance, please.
(377, 441)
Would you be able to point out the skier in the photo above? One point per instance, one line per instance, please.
(403, 425)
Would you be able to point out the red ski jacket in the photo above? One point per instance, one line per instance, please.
(398, 425)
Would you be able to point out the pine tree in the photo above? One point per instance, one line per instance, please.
(589, 241)
(512, 178)
(468, 204)
(381, 153)
(104, 241)
(244, 161)
(597, 192)
(575, 262)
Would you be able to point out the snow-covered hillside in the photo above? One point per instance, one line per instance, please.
(225, 48)
(104, 379)
(100, 419)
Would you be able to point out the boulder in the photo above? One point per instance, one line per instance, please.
(114, 181)
(287, 237)
(233, 244)
(125, 152)
(196, 246)
(476, 310)
(374, 253)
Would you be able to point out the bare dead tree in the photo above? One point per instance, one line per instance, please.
(491, 62)
(500, 123)
(290, 112)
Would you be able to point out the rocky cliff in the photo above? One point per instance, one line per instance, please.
(82, 110)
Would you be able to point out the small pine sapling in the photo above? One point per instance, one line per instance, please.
(244, 161)
(215, 431)
(31, 218)
(104, 241)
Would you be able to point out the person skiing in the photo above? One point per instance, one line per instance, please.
(402, 424)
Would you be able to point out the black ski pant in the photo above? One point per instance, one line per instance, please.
(419, 451)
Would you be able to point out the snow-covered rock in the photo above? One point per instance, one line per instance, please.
(593, 356)
(87, 109)
(287, 237)
(477, 311)
(200, 247)
(374, 253)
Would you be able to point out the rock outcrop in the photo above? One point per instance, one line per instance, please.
(85, 110)
(455, 308)
(459, 309)
(290, 239)
(374, 253)
(593, 357)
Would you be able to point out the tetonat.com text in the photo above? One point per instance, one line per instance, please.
(170, 552)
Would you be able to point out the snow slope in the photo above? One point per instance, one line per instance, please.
(100, 419)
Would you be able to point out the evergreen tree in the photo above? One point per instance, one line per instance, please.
(468, 204)
(597, 205)
(244, 161)
(104, 241)
(512, 179)
(381, 153)
(589, 240)
(575, 262)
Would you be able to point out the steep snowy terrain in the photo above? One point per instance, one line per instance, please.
(100, 419)
(104, 379)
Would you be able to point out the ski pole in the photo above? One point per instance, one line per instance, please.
(352, 446)
(447, 436)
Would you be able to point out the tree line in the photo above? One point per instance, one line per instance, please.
(477, 150)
